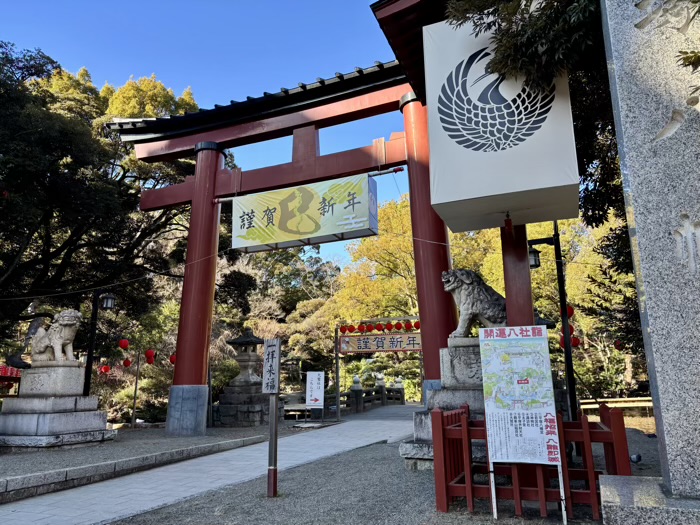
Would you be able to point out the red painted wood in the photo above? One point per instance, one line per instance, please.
(616, 452)
(590, 467)
(439, 461)
(436, 308)
(271, 482)
(468, 463)
(200, 275)
(516, 490)
(541, 496)
(356, 108)
(305, 143)
(174, 195)
(396, 7)
(389, 154)
(516, 270)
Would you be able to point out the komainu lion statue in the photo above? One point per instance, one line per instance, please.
(56, 343)
(477, 301)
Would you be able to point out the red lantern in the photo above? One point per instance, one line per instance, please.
(105, 369)
(561, 341)
(575, 342)
(351, 328)
(343, 329)
(571, 329)
(172, 359)
(398, 326)
(150, 354)
(389, 326)
(361, 329)
(618, 344)
(416, 325)
(124, 344)
(379, 327)
(150, 360)
(370, 327)
(127, 363)
(409, 325)
(569, 311)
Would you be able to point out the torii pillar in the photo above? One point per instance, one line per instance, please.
(430, 243)
(189, 393)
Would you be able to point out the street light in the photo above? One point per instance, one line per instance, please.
(534, 256)
(563, 306)
(108, 302)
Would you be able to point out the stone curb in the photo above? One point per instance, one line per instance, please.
(19, 487)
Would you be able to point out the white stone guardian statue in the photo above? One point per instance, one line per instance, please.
(56, 343)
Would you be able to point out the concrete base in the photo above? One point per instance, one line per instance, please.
(641, 501)
(461, 383)
(34, 423)
(62, 378)
(36, 405)
(51, 424)
(28, 443)
(187, 410)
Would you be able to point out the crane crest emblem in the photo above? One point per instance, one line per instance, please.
(490, 122)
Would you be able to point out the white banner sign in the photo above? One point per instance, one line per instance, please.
(332, 210)
(496, 145)
(271, 367)
(314, 389)
(519, 398)
(399, 342)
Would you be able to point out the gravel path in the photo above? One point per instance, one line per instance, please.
(367, 486)
(128, 444)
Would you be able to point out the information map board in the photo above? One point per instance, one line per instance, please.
(521, 417)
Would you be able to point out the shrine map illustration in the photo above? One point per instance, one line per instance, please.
(518, 395)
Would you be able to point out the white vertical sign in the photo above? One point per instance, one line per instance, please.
(271, 367)
(521, 416)
(314, 389)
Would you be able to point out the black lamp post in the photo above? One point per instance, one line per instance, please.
(568, 356)
(107, 301)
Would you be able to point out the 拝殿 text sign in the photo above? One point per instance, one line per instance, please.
(333, 210)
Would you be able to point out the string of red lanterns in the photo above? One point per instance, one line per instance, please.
(379, 327)
(575, 341)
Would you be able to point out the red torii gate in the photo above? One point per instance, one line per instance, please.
(188, 395)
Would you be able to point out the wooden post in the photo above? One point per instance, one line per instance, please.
(437, 310)
(439, 461)
(516, 272)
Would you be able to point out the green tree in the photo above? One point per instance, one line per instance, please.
(69, 219)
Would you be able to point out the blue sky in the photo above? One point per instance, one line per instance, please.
(224, 50)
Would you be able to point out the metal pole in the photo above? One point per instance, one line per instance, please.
(136, 390)
(210, 408)
(568, 357)
(337, 377)
(91, 344)
(272, 451)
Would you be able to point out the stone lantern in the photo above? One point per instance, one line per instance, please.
(248, 359)
(242, 403)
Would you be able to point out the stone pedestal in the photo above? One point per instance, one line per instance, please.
(50, 410)
(61, 378)
(245, 406)
(658, 126)
(461, 383)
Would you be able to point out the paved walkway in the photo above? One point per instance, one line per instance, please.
(129, 495)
